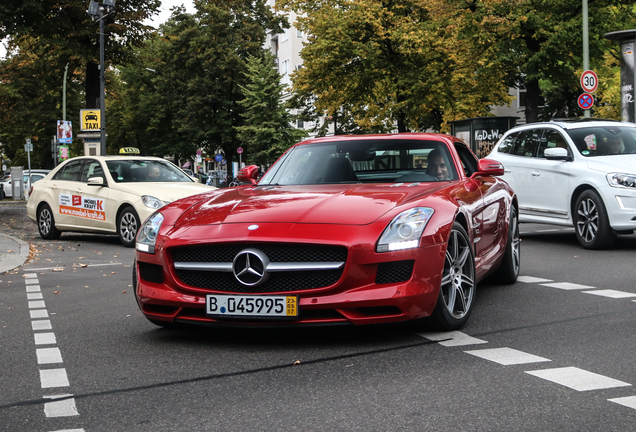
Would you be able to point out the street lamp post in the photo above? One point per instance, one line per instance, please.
(99, 12)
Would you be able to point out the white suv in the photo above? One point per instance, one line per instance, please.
(580, 174)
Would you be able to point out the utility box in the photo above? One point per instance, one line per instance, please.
(481, 133)
(17, 183)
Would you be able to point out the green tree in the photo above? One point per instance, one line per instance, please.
(31, 101)
(191, 101)
(72, 36)
(539, 44)
(390, 62)
(267, 130)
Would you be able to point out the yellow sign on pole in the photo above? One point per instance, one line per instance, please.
(90, 119)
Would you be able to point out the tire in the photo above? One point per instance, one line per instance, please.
(508, 270)
(457, 290)
(591, 223)
(127, 226)
(46, 223)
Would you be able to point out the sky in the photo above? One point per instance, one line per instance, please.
(164, 13)
(163, 16)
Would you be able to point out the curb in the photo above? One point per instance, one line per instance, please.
(11, 261)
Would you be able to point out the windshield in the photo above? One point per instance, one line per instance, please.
(604, 140)
(136, 170)
(363, 161)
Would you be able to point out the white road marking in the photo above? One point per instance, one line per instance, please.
(37, 304)
(455, 338)
(45, 338)
(30, 275)
(629, 401)
(567, 286)
(530, 279)
(578, 379)
(611, 293)
(41, 325)
(47, 268)
(102, 265)
(33, 288)
(54, 378)
(70, 430)
(34, 296)
(49, 355)
(63, 408)
(507, 356)
(39, 313)
(31, 281)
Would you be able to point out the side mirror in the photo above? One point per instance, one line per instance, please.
(489, 167)
(96, 181)
(248, 174)
(557, 153)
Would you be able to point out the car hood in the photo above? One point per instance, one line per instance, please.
(616, 163)
(164, 191)
(338, 204)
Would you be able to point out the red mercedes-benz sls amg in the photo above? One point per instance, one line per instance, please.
(345, 229)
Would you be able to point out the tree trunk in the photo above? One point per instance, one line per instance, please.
(92, 85)
(533, 99)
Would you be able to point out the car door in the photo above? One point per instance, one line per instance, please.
(517, 166)
(62, 188)
(93, 199)
(489, 210)
(550, 179)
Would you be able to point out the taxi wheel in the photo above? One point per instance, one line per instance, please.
(127, 226)
(46, 223)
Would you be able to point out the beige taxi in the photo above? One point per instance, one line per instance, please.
(107, 195)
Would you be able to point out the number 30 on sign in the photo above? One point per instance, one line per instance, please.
(589, 81)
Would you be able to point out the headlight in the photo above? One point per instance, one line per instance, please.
(147, 235)
(152, 202)
(405, 230)
(622, 180)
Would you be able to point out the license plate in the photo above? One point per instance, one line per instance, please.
(251, 306)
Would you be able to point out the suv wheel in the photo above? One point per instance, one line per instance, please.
(591, 222)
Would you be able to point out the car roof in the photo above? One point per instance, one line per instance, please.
(407, 135)
(574, 124)
(119, 157)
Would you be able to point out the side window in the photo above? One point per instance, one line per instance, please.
(551, 139)
(70, 171)
(526, 143)
(507, 143)
(469, 161)
(92, 168)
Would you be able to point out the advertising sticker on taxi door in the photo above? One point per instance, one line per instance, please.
(77, 205)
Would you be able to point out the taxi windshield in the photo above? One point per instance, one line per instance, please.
(137, 171)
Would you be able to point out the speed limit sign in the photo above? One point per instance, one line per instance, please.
(589, 81)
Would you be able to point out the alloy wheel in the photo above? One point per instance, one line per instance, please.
(458, 280)
(128, 227)
(587, 223)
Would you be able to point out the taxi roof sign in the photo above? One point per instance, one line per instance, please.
(129, 151)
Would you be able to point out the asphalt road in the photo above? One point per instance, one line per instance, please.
(552, 352)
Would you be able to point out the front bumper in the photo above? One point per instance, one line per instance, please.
(362, 294)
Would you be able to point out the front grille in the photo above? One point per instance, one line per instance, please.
(281, 281)
(275, 252)
(393, 272)
(151, 272)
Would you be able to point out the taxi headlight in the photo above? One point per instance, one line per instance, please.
(622, 180)
(148, 233)
(152, 202)
(405, 230)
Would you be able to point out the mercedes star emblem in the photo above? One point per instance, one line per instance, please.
(250, 267)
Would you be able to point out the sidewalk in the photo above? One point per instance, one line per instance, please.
(13, 251)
